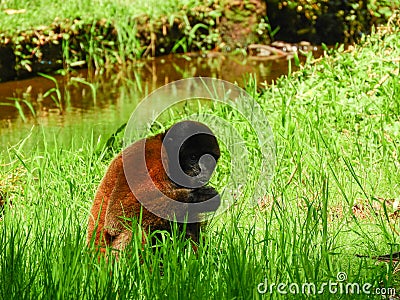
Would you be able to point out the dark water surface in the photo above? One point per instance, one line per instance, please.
(101, 102)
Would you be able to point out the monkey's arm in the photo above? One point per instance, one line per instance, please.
(122, 206)
(101, 200)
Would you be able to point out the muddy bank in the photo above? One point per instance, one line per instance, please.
(215, 25)
(72, 43)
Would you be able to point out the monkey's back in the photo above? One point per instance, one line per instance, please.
(114, 201)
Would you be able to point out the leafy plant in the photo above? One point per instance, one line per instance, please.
(54, 93)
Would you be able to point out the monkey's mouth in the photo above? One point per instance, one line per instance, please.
(191, 180)
(200, 181)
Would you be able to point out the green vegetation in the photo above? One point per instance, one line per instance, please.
(336, 126)
(103, 33)
(30, 15)
(99, 33)
(44, 36)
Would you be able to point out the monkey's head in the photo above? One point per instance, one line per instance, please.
(192, 152)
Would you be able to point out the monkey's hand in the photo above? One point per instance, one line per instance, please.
(207, 196)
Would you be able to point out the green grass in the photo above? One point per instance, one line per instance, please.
(102, 33)
(117, 11)
(336, 126)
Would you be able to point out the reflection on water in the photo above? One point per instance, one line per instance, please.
(102, 102)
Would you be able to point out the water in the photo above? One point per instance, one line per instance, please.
(98, 103)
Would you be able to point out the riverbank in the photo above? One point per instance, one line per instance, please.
(80, 33)
(52, 35)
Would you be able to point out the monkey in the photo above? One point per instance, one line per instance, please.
(159, 179)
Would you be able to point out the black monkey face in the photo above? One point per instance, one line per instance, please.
(198, 156)
(193, 152)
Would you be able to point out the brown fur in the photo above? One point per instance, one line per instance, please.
(114, 202)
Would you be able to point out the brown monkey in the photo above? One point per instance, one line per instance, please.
(159, 179)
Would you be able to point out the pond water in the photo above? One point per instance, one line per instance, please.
(98, 103)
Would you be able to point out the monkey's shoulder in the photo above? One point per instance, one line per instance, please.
(149, 148)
